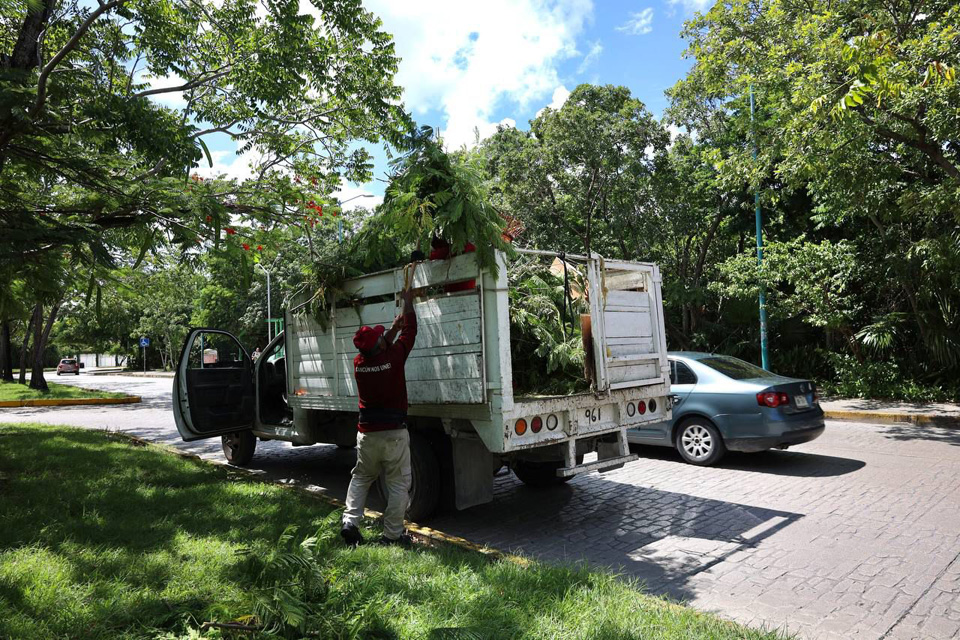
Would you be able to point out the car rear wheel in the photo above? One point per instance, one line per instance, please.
(238, 447)
(699, 442)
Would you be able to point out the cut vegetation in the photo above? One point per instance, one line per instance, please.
(103, 539)
(13, 392)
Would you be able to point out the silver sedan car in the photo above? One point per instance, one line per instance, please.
(721, 404)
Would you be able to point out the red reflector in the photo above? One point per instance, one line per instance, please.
(642, 407)
(536, 424)
(773, 399)
(521, 427)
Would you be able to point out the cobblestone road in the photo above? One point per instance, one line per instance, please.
(855, 535)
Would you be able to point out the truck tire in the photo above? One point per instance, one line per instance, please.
(424, 480)
(238, 447)
(541, 474)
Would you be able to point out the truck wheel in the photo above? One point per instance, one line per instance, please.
(238, 447)
(541, 474)
(699, 442)
(424, 480)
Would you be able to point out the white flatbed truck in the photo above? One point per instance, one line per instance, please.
(465, 421)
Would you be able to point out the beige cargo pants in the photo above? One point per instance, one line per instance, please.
(387, 452)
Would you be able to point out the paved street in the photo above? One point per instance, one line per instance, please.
(854, 535)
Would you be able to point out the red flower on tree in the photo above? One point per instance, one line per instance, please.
(246, 247)
(259, 247)
(230, 231)
(209, 218)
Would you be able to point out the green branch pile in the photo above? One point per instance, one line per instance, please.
(432, 193)
(547, 352)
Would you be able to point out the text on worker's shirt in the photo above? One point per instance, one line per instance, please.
(374, 369)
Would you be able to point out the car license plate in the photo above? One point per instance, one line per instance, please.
(802, 402)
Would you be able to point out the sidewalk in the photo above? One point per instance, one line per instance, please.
(939, 413)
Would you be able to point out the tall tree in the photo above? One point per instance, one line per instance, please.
(582, 176)
(856, 108)
(105, 109)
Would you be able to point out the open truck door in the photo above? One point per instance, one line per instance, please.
(625, 307)
(213, 388)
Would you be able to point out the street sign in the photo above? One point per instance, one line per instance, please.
(144, 342)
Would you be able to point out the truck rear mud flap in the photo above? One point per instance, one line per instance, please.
(610, 455)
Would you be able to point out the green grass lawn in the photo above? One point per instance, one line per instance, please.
(100, 538)
(15, 391)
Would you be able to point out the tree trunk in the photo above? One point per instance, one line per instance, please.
(40, 338)
(34, 319)
(6, 352)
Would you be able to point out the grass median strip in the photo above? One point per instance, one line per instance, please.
(103, 539)
(14, 392)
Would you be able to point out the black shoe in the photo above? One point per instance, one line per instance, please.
(351, 535)
(403, 541)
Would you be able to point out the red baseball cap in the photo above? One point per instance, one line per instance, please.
(365, 339)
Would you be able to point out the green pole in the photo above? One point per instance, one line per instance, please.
(764, 356)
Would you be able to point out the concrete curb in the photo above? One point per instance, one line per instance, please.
(412, 527)
(892, 416)
(68, 402)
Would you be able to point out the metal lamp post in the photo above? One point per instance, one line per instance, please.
(340, 217)
(269, 306)
(764, 358)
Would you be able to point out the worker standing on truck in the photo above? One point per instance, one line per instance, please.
(383, 444)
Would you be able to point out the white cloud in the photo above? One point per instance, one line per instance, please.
(592, 56)
(692, 6)
(465, 59)
(230, 164)
(560, 95)
(640, 23)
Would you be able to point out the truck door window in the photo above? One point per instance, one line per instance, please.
(215, 351)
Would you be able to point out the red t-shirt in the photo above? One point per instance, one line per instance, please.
(382, 383)
(442, 253)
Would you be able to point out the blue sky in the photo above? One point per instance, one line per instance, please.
(468, 66)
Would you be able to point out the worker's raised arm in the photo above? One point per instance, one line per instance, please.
(408, 331)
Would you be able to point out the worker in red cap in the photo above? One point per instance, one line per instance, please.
(383, 444)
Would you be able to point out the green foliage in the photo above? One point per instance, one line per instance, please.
(580, 178)
(546, 347)
(435, 193)
(884, 379)
(13, 391)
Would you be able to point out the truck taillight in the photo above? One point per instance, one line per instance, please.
(536, 424)
(521, 427)
(552, 422)
(652, 406)
(642, 407)
(772, 399)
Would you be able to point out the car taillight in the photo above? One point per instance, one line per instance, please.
(772, 399)
(521, 427)
(536, 424)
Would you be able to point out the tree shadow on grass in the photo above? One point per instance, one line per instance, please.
(135, 525)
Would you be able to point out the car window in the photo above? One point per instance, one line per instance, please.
(734, 368)
(68, 362)
(682, 374)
